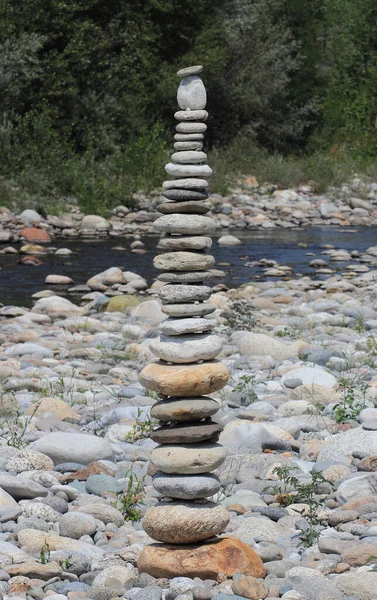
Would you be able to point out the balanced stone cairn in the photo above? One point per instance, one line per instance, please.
(187, 370)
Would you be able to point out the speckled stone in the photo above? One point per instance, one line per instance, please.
(185, 243)
(191, 115)
(189, 207)
(195, 70)
(186, 487)
(194, 183)
(188, 310)
(187, 137)
(191, 93)
(189, 157)
(184, 326)
(184, 409)
(182, 349)
(186, 277)
(188, 459)
(173, 294)
(185, 224)
(185, 380)
(193, 145)
(180, 170)
(183, 261)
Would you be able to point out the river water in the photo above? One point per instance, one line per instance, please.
(19, 282)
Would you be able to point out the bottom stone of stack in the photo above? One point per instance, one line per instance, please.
(186, 487)
(185, 522)
(206, 561)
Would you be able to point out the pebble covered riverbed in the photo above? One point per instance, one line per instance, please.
(299, 419)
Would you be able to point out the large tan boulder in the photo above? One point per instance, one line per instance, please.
(185, 380)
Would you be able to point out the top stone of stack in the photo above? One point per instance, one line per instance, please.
(191, 93)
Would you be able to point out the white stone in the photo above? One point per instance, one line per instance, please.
(56, 307)
(58, 279)
(185, 184)
(194, 70)
(74, 447)
(228, 240)
(177, 170)
(95, 222)
(191, 115)
(191, 93)
(190, 127)
(185, 224)
(189, 157)
(185, 326)
(186, 348)
(310, 376)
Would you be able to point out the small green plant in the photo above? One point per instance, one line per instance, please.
(239, 316)
(307, 493)
(141, 428)
(360, 324)
(45, 553)
(285, 332)
(66, 564)
(14, 425)
(246, 387)
(351, 405)
(127, 500)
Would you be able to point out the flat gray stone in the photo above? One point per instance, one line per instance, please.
(185, 243)
(186, 184)
(20, 487)
(76, 524)
(191, 127)
(188, 310)
(191, 93)
(172, 294)
(182, 349)
(183, 261)
(185, 224)
(184, 409)
(188, 145)
(187, 137)
(192, 432)
(191, 115)
(177, 327)
(178, 170)
(186, 487)
(187, 277)
(76, 447)
(188, 207)
(195, 70)
(191, 157)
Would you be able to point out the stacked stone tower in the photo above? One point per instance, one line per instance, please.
(186, 348)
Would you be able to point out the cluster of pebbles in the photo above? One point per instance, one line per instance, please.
(187, 370)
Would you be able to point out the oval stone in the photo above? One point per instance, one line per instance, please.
(187, 433)
(181, 349)
(189, 157)
(191, 115)
(186, 487)
(186, 277)
(188, 137)
(190, 71)
(173, 294)
(185, 224)
(190, 127)
(190, 207)
(177, 170)
(189, 459)
(184, 326)
(179, 523)
(185, 195)
(184, 243)
(183, 261)
(188, 310)
(188, 145)
(185, 380)
(184, 409)
(191, 93)
(185, 184)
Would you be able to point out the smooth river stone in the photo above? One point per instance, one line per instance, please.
(185, 224)
(186, 487)
(185, 195)
(183, 261)
(191, 93)
(190, 71)
(174, 294)
(184, 326)
(186, 277)
(186, 184)
(188, 310)
(188, 459)
(190, 127)
(181, 349)
(190, 207)
(177, 170)
(184, 243)
(183, 381)
(191, 115)
(185, 523)
(187, 137)
(184, 409)
(179, 146)
(189, 157)
(187, 433)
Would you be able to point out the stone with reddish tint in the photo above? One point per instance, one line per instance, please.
(206, 561)
(185, 380)
(33, 235)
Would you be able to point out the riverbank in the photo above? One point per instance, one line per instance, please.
(301, 401)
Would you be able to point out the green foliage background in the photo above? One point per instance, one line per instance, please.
(88, 91)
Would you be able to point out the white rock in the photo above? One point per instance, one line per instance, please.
(74, 447)
(95, 222)
(186, 348)
(310, 375)
(189, 157)
(228, 240)
(116, 576)
(58, 280)
(56, 307)
(28, 348)
(177, 170)
(75, 524)
(191, 93)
